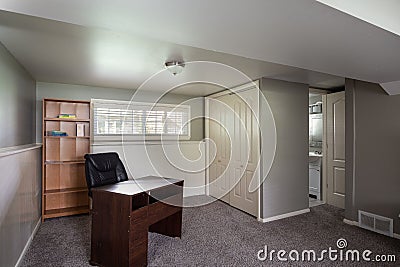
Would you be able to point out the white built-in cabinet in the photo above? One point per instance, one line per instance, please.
(234, 149)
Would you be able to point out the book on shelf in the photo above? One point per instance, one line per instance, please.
(56, 133)
(66, 116)
(80, 129)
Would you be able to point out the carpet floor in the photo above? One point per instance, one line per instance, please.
(218, 235)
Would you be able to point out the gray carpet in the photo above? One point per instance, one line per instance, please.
(216, 235)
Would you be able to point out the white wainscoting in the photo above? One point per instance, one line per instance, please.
(184, 161)
(20, 184)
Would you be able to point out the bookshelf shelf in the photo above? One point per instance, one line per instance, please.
(66, 119)
(72, 137)
(53, 213)
(64, 190)
(65, 162)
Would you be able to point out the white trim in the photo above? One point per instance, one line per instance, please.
(283, 216)
(136, 103)
(317, 91)
(397, 236)
(140, 138)
(324, 182)
(28, 243)
(144, 142)
(237, 89)
(207, 147)
(350, 222)
(7, 151)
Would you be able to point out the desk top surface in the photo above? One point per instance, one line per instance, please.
(136, 186)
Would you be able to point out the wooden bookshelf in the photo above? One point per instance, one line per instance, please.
(64, 190)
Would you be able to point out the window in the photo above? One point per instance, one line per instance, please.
(116, 118)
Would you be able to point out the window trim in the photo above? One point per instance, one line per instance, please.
(136, 137)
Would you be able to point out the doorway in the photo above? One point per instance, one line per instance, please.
(316, 142)
(326, 148)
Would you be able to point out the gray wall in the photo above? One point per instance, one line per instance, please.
(20, 179)
(17, 102)
(372, 151)
(314, 99)
(80, 92)
(286, 187)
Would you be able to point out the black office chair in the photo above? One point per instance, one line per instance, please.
(103, 169)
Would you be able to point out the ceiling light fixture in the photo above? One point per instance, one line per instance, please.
(175, 67)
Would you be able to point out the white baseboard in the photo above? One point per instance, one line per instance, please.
(190, 192)
(28, 243)
(355, 223)
(283, 216)
(349, 222)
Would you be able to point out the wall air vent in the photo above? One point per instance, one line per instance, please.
(376, 223)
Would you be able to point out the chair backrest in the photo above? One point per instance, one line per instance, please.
(103, 169)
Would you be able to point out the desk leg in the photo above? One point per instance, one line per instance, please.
(138, 238)
(170, 226)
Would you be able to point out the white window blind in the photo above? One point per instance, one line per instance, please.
(115, 118)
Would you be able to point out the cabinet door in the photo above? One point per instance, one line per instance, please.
(315, 180)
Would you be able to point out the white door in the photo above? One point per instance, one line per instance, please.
(236, 161)
(335, 116)
(219, 174)
(246, 154)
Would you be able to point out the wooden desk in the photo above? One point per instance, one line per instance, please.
(123, 214)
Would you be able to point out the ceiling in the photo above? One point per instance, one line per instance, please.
(384, 14)
(61, 52)
(121, 43)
